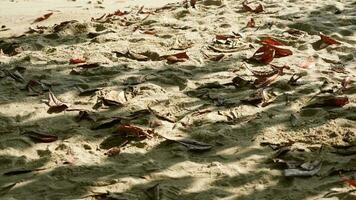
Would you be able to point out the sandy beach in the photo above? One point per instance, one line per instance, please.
(175, 100)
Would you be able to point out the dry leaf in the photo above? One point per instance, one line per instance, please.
(248, 8)
(271, 41)
(113, 151)
(42, 18)
(328, 40)
(40, 137)
(251, 23)
(55, 106)
(22, 171)
(178, 57)
(77, 60)
(107, 123)
(329, 102)
(132, 132)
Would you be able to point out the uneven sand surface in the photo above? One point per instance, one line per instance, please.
(195, 98)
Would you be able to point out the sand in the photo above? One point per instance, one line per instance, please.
(195, 98)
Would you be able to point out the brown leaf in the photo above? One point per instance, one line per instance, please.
(295, 32)
(77, 60)
(218, 57)
(55, 106)
(224, 37)
(329, 102)
(42, 18)
(193, 3)
(132, 132)
(40, 137)
(117, 13)
(264, 54)
(328, 40)
(113, 151)
(87, 92)
(111, 103)
(282, 52)
(178, 57)
(260, 98)
(36, 87)
(251, 23)
(85, 115)
(248, 8)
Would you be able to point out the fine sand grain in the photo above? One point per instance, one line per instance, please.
(195, 96)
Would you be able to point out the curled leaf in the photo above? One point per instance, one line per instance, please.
(42, 18)
(178, 57)
(55, 106)
(40, 137)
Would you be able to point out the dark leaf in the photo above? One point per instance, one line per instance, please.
(87, 92)
(42, 18)
(55, 106)
(22, 171)
(110, 103)
(107, 123)
(7, 188)
(85, 115)
(192, 145)
(40, 137)
(224, 37)
(36, 87)
(329, 102)
(89, 66)
(193, 3)
(154, 192)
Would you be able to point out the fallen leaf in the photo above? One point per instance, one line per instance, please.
(87, 92)
(295, 32)
(247, 7)
(36, 87)
(261, 98)
(117, 13)
(42, 18)
(89, 65)
(55, 106)
(113, 151)
(251, 23)
(264, 54)
(22, 171)
(224, 37)
(40, 137)
(77, 60)
(271, 41)
(193, 3)
(331, 101)
(85, 115)
(192, 145)
(178, 57)
(107, 123)
(328, 40)
(132, 132)
(217, 57)
(351, 182)
(110, 103)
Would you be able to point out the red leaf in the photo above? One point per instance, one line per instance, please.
(77, 60)
(40, 137)
(351, 182)
(42, 18)
(251, 23)
(328, 40)
(282, 52)
(264, 54)
(271, 41)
